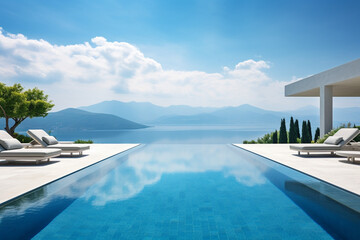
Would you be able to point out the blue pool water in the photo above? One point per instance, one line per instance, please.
(182, 191)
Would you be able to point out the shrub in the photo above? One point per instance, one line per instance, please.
(265, 139)
(83, 141)
(22, 138)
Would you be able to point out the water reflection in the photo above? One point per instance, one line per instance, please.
(147, 166)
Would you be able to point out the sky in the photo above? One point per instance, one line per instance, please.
(169, 52)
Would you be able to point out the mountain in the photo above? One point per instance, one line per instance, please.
(76, 119)
(244, 115)
(347, 114)
(143, 112)
(306, 111)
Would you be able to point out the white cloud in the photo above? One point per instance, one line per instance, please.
(83, 74)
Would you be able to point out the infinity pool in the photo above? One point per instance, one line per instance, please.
(180, 191)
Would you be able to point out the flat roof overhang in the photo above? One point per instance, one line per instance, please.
(344, 79)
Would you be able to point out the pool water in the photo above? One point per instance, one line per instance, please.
(181, 191)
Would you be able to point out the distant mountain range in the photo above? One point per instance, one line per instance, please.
(115, 115)
(143, 112)
(243, 115)
(76, 119)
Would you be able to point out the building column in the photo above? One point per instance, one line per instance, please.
(326, 109)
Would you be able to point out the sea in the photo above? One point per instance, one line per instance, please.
(168, 135)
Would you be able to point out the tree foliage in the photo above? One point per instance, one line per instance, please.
(283, 133)
(297, 129)
(292, 132)
(309, 129)
(305, 137)
(275, 137)
(17, 104)
(317, 134)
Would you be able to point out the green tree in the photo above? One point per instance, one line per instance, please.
(309, 129)
(292, 132)
(17, 104)
(283, 133)
(297, 130)
(317, 134)
(305, 133)
(275, 137)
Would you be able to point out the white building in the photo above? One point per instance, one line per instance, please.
(341, 81)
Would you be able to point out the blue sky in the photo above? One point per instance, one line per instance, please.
(294, 38)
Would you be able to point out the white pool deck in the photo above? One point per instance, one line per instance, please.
(19, 177)
(332, 169)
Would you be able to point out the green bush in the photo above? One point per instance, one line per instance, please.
(22, 138)
(249, 142)
(265, 139)
(83, 141)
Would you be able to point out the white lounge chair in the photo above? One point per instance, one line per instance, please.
(332, 144)
(350, 155)
(46, 141)
(12, 149)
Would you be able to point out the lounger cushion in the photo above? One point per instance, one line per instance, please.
(37, 135)
(333, 140)
(70, 147)
(25, 152)
(10, 144)
(315, 147)
(347, 134)
(50, 140)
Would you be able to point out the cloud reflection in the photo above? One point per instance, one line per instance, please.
(148, 165)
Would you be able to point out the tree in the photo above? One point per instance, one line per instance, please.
(317, 134)
(17, 104)
(283, 133)
(275, 137)
(297, 130)
(305, 133)
(292, 132)
(309, 129)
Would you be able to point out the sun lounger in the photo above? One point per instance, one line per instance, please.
(46, 141)
(332, 144)
(12, 149)
(350, 155)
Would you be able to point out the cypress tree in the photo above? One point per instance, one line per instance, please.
(283, 133)
(297, 130)
(317, 134)
(309, 129)
(292, 133)
(275, 137)
(304, 133)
